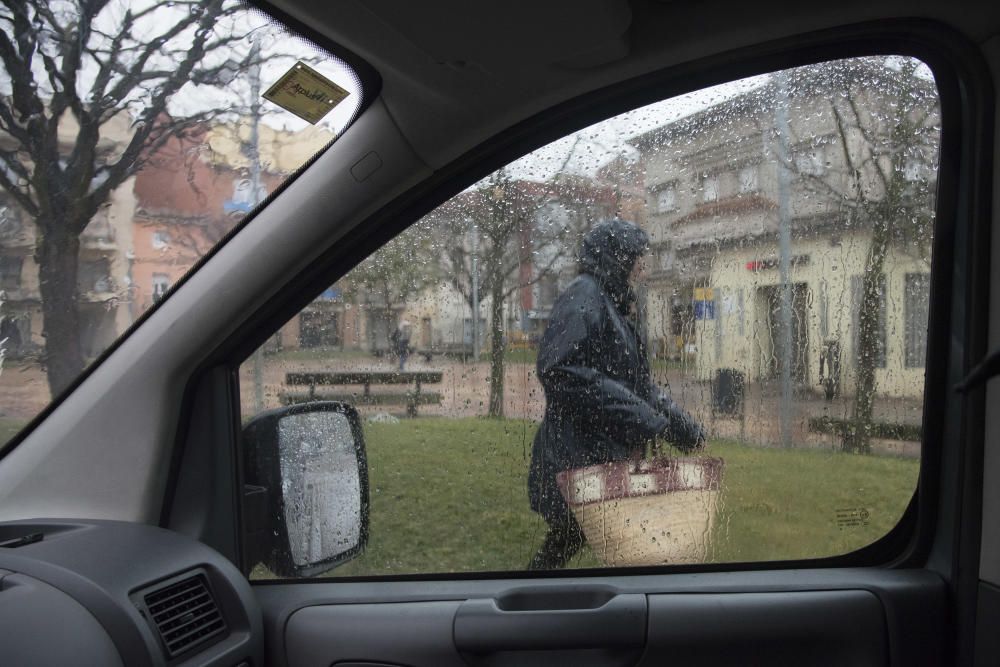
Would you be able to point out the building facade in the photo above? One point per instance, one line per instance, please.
(738, 198)
(103, 280)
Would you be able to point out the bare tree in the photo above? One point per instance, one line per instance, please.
(91, 62)
(504, 226)
(486, 239)
(886, 117)
(395, 274)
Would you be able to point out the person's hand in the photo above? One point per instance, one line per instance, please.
(682, 431)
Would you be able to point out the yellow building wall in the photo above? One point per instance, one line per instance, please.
(739, 336)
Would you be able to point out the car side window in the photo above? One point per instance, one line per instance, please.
(694, 332)
(134, 137)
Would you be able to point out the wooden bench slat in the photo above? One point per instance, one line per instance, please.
(289, 398)
(362, 377)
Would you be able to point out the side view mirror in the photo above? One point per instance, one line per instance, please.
(306, 488)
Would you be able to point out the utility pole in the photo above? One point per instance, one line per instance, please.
(785, 255)
(254, 149)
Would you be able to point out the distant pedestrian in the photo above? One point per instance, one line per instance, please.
(400, 339)
(600, 402)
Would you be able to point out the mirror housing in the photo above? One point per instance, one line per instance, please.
(305, 488)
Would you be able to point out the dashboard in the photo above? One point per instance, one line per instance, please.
(115, 593)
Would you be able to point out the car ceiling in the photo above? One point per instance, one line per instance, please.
(456, 72)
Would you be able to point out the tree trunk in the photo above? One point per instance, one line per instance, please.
(857, 434)
(496, 350)
(58, 255)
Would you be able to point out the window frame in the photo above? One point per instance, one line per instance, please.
(962, 215)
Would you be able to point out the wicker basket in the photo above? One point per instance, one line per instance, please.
(655, 512)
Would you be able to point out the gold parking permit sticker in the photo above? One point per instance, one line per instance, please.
(306, 93)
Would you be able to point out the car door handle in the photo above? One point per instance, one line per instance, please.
(488, 626)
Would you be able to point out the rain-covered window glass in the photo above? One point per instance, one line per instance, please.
(691, 333)
(132, 134)
(710, 187)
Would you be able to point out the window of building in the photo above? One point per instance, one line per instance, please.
(161, 283)
(748, 179)
(10, 221)
(916, 301)
(161, 240)
(15, 335)
(877, 355)
(95, 276)
(10, 272)
(666, 199)
(666, 256)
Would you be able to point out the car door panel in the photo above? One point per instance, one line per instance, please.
(804, 617)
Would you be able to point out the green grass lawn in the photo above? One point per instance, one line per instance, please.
(665, 365)
(450, 496)
(521, 356)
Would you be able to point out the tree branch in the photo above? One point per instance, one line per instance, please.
(865, 132)
(146, 122)
(18, 66)
(9, 125)
(22, 197)
(129, 79)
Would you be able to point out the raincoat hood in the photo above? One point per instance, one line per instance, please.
(608, 253)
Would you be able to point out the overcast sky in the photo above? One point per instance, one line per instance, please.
(586, 151)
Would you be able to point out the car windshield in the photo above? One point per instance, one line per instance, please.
(134, 135)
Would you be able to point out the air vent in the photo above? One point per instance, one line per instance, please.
(185, 614)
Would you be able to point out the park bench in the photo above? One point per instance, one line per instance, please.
(411, 398)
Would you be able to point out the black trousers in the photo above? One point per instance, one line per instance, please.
(562, 541)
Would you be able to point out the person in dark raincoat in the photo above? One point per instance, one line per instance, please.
(600, 402)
